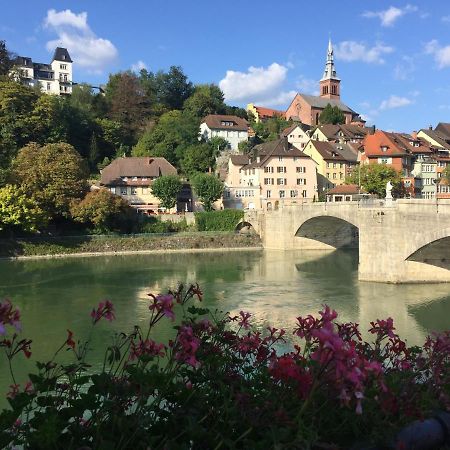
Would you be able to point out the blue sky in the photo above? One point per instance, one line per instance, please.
(393, 57)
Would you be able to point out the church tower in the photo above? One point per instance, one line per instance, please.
(330, 83)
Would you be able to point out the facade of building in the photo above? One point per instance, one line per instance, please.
(261, 113)
(335, 161)
(54, 78)
(346, 193)
(132, 178)
(307, 108)
(425, 177)
(279, 173)
(341, 133)
(232, 128)
(297, 134)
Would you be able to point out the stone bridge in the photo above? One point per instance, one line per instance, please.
(407, 241)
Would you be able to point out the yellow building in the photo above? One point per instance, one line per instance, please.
(132, 177)
(334, 162)
(261, 114)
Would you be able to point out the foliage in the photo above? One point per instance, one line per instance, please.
(175, 131)
(270, 129)
(208, 189)
(220, 383)
(6, 59)
(19, 210)
(166, 188)
(331, 114)
(374, 177)
(154, 224)
(198, 158)
(54, 175)
(104, 211)
(206, 99)
(224, 220)
(446, 173)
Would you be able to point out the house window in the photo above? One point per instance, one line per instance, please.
(334, 165)
(328, 165)
(303, 194)
(341, 175)
(334, 176)
(113, 190)
(280, 158)
(294, 193)
(282, 194)
(268, 194)
(281, 181)
(123, 191)
(48, 86)
(301, 169)
(281, 169)
(227, 194)
(63, 66)
(327, 175)
(301, 181)
(384, 148)
(134, 179)
(134, 191)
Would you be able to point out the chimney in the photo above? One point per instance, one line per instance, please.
(414, 135)
(373, 129)
(430, 127)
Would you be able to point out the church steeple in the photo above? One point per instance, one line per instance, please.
(329, 84)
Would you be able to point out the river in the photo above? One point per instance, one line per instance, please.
(275, 286)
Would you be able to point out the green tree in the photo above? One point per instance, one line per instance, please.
(218, 144)
(208, 189)
(54, 175)
(6, 59)
(173, 87)
(175, 131)
(206, 99)
(128, 103)
(103, 210)
(331, 114)
(166, 188)
(19, 210)
(374, 177)
(198, 158)
(270, 129)
(446, 173)
(94, 155)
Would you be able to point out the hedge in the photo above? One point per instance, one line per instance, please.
(224, 220)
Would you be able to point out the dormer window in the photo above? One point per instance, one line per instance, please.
(384, 148)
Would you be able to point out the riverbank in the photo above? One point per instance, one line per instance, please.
(123, 244)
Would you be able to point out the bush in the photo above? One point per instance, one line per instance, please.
(224, 220)
(219, 383)
(156, 225)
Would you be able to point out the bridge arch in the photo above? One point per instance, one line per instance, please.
(432, 248)
(330, 230)
(245, 227)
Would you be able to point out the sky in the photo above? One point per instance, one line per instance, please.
(393, 57)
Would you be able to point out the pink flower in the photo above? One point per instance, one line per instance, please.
(383, 328)
(9, 316)
(327, 314)
(148, 347)
(13, 391)
(305, 326)
(164, 304)
(105, 309)
(69, 341)
(187, 345)
(28, 388)
(244, 319)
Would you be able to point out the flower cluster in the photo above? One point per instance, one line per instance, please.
(9, 316)
(163, 304)
(146, 347)
(104, 309)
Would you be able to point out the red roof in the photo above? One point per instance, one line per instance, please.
(268, 112)
(346, 189)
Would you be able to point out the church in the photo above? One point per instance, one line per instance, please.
(307, 108)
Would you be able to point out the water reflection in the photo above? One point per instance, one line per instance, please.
(276, 286)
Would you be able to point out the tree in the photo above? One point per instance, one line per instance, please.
(173, 88)
(208, 189)
(19, 210)
(94, 154)
(374, 177)
(446, 173)
(6, 59)
(198, 158)
(175, 131)
(166, 188)
(331, 114)
(128, 103)
(206, 99)
(54, 175)
(104, 210)
(270, 129)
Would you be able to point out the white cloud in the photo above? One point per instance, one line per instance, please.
(446, 19)
(441, 54)
(358, 51)
(389, 16)
(405, 68)
(282, 99)
(257, 84)
(73, 31)
(394, 101)
(137, 67)
(307, 86)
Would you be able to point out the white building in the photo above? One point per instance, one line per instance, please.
(54, 78)
(232, 128)
(297, 134)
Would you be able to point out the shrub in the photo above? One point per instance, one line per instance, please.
(224, 220)
(156, 225)
(219, 383)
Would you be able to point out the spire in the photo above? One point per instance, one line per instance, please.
(330, 71)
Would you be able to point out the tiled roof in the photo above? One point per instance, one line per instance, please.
(217, 122)
(239, 160)
(150, 167)
(268, 112)
(346, 189)
(443, 128)
(329, 152)
(346, 151)
(287, 131)
(61, 54)
(440, 138)
(321, 103)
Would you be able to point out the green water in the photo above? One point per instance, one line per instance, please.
(275, 286)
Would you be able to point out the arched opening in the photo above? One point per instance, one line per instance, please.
(245, 228)
(436, 253)
(277, 203)
(335, 232)
(269, 206)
